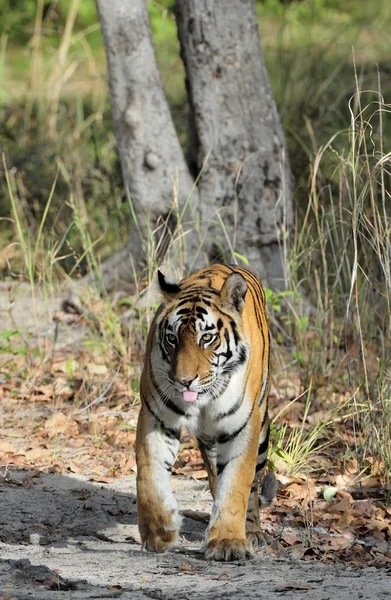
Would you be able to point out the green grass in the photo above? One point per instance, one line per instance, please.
(328, 63)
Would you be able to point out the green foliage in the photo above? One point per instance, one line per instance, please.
(308, 51)
(275, 299)
(16, 18)
(328, 62)
(8, 344)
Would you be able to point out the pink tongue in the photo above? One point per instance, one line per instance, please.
(190, 396)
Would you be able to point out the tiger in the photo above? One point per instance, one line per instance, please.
(207, 369)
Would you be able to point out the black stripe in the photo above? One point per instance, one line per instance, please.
(235, 332)
(165, 399)
(256, 282)
(256, 291)
(207, 443)
(170, 433)
(242, 356)
(260, 466)
(263, 445)
(187, 300)
(170, 404)
(173, 434)
(183, 311)
(232, 410)
(266, 388)
(220, 467)
(228, 353)
(227, 437)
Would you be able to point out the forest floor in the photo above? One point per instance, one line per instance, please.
(68, 518)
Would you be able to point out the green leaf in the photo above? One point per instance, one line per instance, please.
(135, 385)
(244, 259)
(6, 334)
(329, 492)
(70, 366)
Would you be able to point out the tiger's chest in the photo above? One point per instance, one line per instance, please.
(210, 417)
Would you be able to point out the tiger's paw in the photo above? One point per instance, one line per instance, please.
(160, 533)
(160, 540)
(256, 538)
(229, 550)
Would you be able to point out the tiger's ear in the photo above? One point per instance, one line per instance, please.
(233, 292)
(169, 290)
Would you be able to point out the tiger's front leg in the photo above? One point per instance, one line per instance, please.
(156, 449)
(226, 533)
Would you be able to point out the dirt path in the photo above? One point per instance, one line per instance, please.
(65, 537)
(31, 314)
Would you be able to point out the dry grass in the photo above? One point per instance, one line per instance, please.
(339, 253)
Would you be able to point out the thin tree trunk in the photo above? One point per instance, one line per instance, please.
(240, 144)
(152, 160)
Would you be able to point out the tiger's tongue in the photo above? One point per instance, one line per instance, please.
(190, 396)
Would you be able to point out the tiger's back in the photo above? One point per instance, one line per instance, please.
(206, 368)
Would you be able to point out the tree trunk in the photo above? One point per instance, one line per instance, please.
(153, 165)
(240, 145)
(242, 198)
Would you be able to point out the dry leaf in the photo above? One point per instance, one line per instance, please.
(291, 538)
(59, 423)
(301, 491)
(202, 474)
(341, 506)
(35, 453)
(56, 423)
(345, 480)
(189, 568)
(62, 389)
(101, 479)
(363, 508)
(6, 447)
(95, 369)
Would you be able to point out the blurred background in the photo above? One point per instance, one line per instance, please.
(55, 122)
(63, 209)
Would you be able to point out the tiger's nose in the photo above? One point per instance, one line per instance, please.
(185, 380)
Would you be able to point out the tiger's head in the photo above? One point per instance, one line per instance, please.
(200, 337)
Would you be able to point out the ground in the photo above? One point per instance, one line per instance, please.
(63, 533)
(68, 516)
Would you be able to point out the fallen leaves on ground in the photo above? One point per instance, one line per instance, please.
(73, 413)
(77, 412)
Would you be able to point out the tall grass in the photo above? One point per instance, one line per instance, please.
(73, 213)
(341, 255)
(59, 115)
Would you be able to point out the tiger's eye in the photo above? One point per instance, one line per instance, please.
(208, 337)
(171, 338)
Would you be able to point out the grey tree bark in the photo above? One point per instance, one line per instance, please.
(153, 165)
(240, 150)
(240, 145)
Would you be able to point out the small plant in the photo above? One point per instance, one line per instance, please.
(296, 449)
(376, 422)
